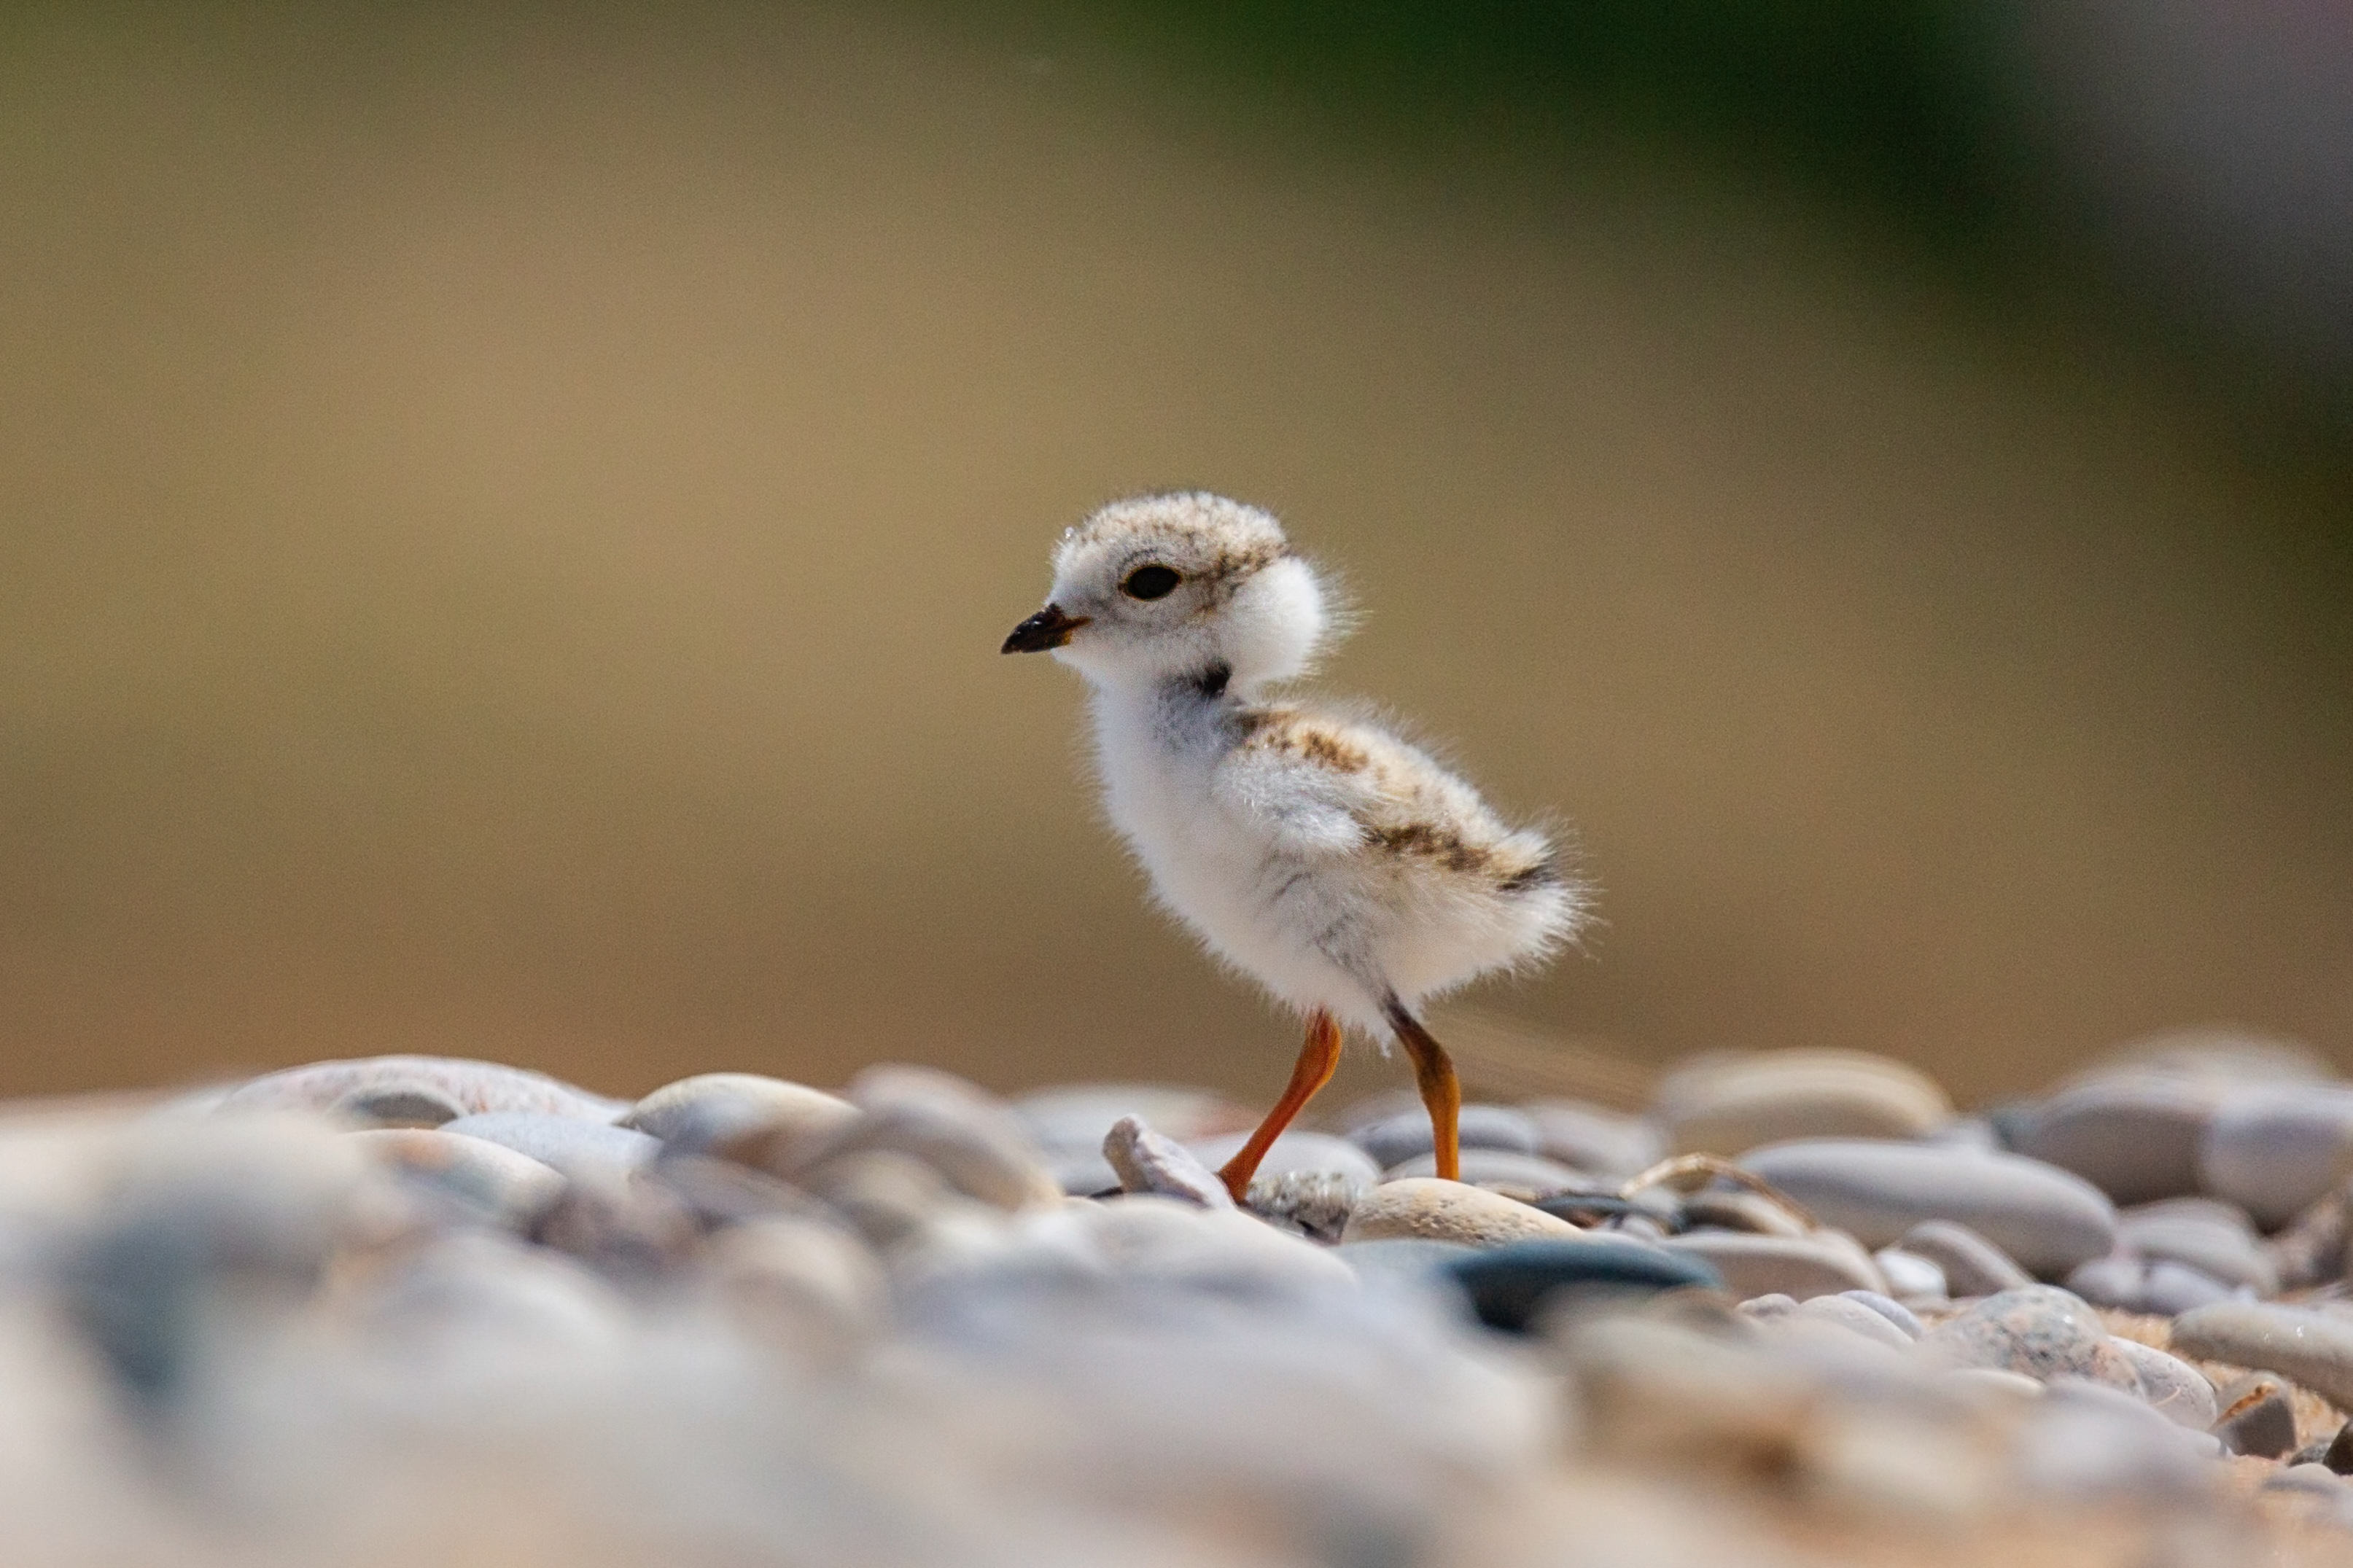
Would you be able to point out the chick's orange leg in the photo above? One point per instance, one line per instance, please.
(1317, 1060)
(1442, 1092)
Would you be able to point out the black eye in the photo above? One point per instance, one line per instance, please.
(1151, 583)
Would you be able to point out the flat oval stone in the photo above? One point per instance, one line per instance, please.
(1393, 1140)
(1802, 1266)
(472, 1086)
(1590, 1137)
(1509, 1286)
(1971, 1264)
(1298, 1152)
(1855, 1318)
(972, 1141)
(2276, 1148)
(2047, 1219)
(1730, 1104)
(2118, 1280)
(573, 1147)
(2220, 1248)
(712, 1112)
(2132, 1135)
(484, 1180)
(2313, 1348)
(2172, 1288)
(2041, 1332)
(1887, 1307)
(1428, 1209)
(2172, 1387)
(1531, 1178)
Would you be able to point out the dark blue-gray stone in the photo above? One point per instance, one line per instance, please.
(1508, 1285)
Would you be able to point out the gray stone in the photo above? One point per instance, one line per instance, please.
(1531, 1178)
(973, 1141)
(2132, 1135)
(1148, 1163)
(1855, 1318)
(2085, 1440)
(2313, 1348)
(471, 1177)
(2118, 1280)
(1591, 1138)
(2215, 1241)
(2172, 1387)
(571, 1146)
(1510, 1286)
(1798, 1265)
(1971, 1264)
(2311, 1479)
(2173, 1289)
(2275, 1149)
(1730, 1103)
(2048, 1219)
(1910, 1277)
(2256, 1417)
(1296, 1150)
(716, 1112)
(1894, 1311)
(2041, 1332)
(1395, 1139)
(1428, 1209)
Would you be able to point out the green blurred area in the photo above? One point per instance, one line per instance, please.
(508, 515)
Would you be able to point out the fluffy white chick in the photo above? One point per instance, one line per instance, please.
(1314, 850)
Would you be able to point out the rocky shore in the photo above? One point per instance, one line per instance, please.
(1796, 1310)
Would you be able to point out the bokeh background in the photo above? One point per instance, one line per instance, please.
(506, 514)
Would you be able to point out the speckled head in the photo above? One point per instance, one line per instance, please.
(1185, 587)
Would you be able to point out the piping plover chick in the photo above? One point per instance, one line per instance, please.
(1311, 848)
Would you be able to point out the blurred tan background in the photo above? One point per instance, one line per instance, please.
(505, 525)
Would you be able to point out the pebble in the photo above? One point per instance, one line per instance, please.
(2171, 1289)
(2256, 1415)
(2172, 1387)
(1294, 1153)
(1856, 1317)
(1910, 1277)
(2272, 1149)
(1148, 1163)
(1800, 1266)
(2087, 1440)
(2049, 1220)
(1971, 1264)
(2310, 1347)
(2041, 1332)
(571, 1146)
(478, 1179)
(1428, 1209)
(812, 1285)
(977, 1147)
(718, 1112)
(1730, 1104)
(1531, 1178)
(2218, 1243)
(468, 1086)
(1894, 1311)
(2133, 1135)
(1592, 1138)
(1510, 1286)
(1394, 1139)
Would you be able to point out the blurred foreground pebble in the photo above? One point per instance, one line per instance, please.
(425, 1309)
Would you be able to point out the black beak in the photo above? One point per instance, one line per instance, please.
(1049, 627)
